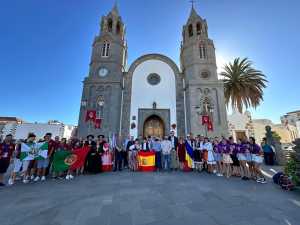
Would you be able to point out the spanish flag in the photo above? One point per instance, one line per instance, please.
(146, 161)
(189, 155)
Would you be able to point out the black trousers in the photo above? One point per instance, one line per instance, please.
(269, 158)
(125, 158)
(118, 160)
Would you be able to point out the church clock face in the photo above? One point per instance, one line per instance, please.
(103, 72)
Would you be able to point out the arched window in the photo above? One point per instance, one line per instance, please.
(105, 49)
(110, 25)
(118, 27)
(202, 51)
(199, 28)
(191, 30)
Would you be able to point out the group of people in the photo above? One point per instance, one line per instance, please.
(219, 156)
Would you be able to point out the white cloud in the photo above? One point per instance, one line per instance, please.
(222, 59)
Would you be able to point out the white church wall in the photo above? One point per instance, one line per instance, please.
(144, 94)
(39, 129)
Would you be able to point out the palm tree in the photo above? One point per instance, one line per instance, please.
(243, 85)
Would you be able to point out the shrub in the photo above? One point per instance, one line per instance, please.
(290, 170)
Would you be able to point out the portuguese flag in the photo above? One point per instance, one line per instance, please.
(65, 160)
(146, 161)
(34, 151)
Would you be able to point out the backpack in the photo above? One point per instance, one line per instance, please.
(283, 181)
(286, 183)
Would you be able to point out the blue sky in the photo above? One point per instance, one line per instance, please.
(45, 47)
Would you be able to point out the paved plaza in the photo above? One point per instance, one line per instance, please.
(126, 198)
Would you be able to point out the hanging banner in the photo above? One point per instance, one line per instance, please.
(90, 115)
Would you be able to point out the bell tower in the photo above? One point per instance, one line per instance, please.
(102, 88)
(204, 92)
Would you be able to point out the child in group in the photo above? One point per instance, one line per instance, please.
(227, 161)
(257, 159)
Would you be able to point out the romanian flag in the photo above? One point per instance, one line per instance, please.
(189, 155)
(146, 161)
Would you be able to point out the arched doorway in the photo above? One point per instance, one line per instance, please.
(154, 126)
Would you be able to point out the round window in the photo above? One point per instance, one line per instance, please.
(153, 79)
(205, 74)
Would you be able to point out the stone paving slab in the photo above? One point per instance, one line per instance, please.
(148, 199)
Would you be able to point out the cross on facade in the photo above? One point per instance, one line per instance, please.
(192, 2)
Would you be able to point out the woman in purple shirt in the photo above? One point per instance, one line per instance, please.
(227, 161)
(241, 150)
(257, 159)
(233, 155)
(218, 158)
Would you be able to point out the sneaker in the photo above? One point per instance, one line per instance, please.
(36, 179)
(214, 171)
(25, 181)
(262, 180)
(43, 178)
(68, 177)
(71, 177)
(10, 182)
(32, 177)
(219, 175)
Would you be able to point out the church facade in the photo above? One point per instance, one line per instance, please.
(154, 95)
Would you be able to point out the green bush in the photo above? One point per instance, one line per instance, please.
(290, 170)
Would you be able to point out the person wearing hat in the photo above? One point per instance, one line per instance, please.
(6, 150)
(94, 162)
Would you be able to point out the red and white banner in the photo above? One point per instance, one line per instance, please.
(98, 122)
(90, 115)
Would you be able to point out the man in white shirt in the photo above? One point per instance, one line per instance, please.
(166, 147)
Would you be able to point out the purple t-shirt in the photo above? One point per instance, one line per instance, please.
(232, 148)
(254, 149)
(245, 148)
(239, 149)
(223, 148)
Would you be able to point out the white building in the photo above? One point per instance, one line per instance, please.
(20, 131)
(240, 125)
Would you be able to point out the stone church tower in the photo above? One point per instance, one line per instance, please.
(204, 92)
(102, 88)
